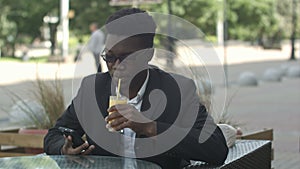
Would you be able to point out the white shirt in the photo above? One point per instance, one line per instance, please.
(129, 135)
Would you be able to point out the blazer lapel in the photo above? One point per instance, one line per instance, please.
(102, 85)
(153, 83)
(154, 109)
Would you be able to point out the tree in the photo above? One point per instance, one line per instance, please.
(89, 11)
(252, 20)
(248, 20)
(7, 29)
(288, 11)
(255, 20)
(201, 13)
(27, 16)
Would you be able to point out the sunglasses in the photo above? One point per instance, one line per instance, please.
(112, 58)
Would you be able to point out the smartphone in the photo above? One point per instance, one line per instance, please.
(76, 139)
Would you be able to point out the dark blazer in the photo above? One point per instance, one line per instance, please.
(179, 93)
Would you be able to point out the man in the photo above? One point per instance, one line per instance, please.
(163, 121)
(96, 43)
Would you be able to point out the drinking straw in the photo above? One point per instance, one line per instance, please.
(118, 92)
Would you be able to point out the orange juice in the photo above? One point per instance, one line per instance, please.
(113, 100)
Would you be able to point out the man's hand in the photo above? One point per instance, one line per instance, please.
(83, 149)
(126, 116)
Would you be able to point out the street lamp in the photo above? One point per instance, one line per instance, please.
(52, 21)
(225, 35)
(222, 34)
(65, 15)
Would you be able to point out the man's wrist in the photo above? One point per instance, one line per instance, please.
(151, 129)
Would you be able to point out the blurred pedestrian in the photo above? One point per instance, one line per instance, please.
(96, 43)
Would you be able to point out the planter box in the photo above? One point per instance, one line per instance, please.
(19, 142)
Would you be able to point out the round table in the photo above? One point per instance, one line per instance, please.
(72, 162)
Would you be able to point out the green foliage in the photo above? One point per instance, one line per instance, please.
(284, 10)
(251, 20)
(28, 15)
(201, 13)
(89, 11)
(23, 19)
(247, 19)
(212, 38)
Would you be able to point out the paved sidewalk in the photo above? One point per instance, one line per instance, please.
(272, 105)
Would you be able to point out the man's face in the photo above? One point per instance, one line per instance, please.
(93, 27)
(126, 58)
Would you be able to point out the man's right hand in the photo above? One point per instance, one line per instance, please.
(83, 149)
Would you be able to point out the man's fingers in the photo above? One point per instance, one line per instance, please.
(112, 108)
(67, 147)
(80, 148)
(68, 141)
(118, 121)
(131, 113)
(112, 116)
(124, 113)
(89, 150)
(126, 124)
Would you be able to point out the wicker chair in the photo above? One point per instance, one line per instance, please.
(253, 150)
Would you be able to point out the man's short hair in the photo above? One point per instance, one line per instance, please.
(132, 22)
(94, 24)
